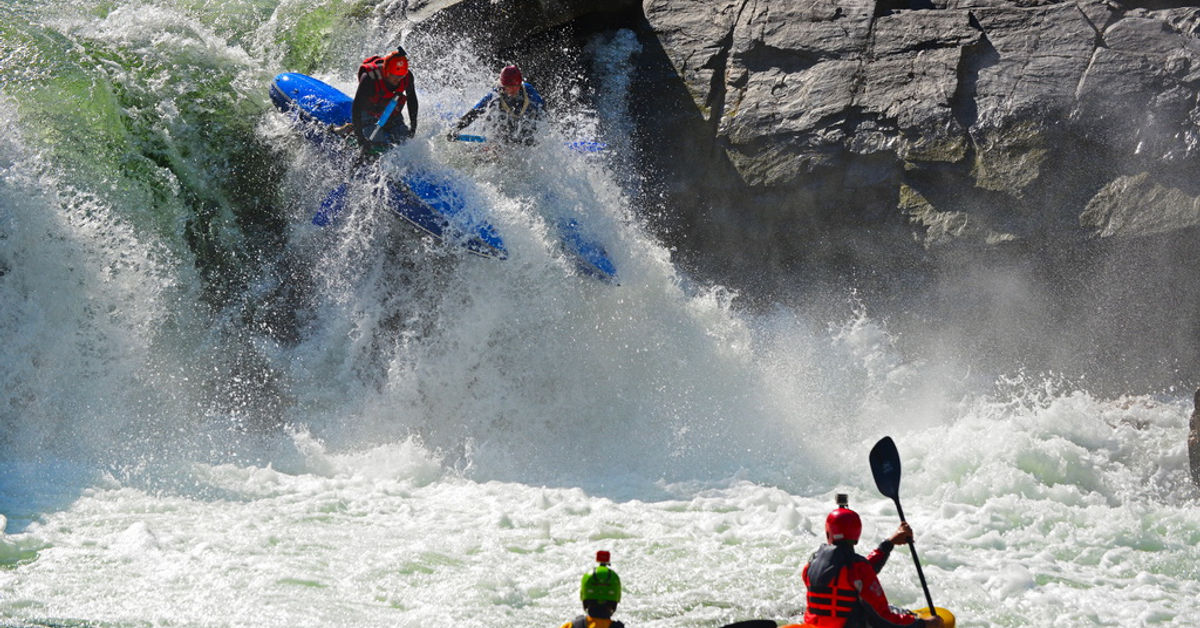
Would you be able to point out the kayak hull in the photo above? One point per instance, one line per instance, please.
(947, 617)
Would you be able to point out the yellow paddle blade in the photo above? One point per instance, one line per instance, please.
(947, 616)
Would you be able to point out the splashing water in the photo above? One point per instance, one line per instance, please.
(215, 413)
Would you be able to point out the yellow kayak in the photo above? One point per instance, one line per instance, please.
(947, 616)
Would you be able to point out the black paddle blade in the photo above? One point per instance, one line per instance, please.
(885, 465)
(753, 623)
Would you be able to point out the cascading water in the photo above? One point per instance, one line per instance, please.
(213, 412)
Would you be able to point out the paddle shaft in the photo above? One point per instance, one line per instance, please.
(387, 113)
(912, 547)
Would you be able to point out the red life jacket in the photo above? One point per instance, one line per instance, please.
(832, 604)
(382, 93)
(843, 590)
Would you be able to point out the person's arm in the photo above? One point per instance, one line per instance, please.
(471, 115)
(467, 119)
(358, 111)
(410, 95)
(535, 101)
(902, 536)
(879, 613)
(879, 556)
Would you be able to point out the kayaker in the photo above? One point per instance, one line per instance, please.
(512, 110)
(600, 592)
(843, 590)
(380, 80)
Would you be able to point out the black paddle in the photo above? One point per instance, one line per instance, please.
(885, 465)
(753, 623)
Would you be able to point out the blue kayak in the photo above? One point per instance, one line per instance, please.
(428, 200)
(589, 255)
(425, 199)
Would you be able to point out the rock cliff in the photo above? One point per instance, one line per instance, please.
(969, 122)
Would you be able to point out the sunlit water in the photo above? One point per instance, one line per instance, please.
(356, 426)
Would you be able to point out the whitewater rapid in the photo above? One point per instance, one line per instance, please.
(213, 413)
(1045, 516)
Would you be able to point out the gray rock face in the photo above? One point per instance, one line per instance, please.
(1194, 441)
(1138, 204)
(975, 123)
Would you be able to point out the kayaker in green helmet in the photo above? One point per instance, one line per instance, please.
(600, 592)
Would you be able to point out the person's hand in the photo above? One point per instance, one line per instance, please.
(903, 535)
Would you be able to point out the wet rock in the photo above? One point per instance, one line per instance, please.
(1194, 441)
(1137, 205)
(1014, 121)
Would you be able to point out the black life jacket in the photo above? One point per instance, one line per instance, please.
(581, 622)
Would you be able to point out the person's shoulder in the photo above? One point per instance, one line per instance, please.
(533, 92)
(855, 557)
(860, 566)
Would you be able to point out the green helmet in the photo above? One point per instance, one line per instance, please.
(602, 584)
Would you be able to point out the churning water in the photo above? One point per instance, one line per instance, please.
(214, 413)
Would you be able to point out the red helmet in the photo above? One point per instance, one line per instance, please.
(510, 76)
(396, 64)
(843, 524)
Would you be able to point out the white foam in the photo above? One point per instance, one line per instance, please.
(465, 434)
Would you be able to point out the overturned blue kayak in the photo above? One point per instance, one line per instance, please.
(425, 199)
(428, 200)
(590, 257)
(316, 100)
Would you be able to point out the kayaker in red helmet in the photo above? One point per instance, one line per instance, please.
(512, 109)
(843, 589)
(380, 81)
